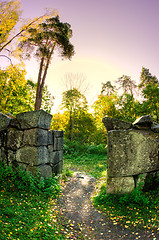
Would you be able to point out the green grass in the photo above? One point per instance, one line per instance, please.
(89, 159)
(27, 206)
(137, 209)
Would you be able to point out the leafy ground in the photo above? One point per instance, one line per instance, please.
(90, 159)
(140, 209)
(28, 207)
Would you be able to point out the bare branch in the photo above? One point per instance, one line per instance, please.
(19, 33)
(7, 58)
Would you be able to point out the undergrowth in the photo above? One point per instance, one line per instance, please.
(27, 206)
(137, 209)
(90, 159)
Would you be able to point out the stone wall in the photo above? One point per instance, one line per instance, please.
(133, 152)
(27, 141)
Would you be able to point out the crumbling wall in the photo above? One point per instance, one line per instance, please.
(27, 141)
(133, 152)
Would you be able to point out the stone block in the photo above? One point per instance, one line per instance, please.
(45, 170)
(58, 143)
(35, 137)
(50, 137)
(3, 155)
(115, 124)
(120, 185)
(4, 121)
(131, 152)
(54, 157)
(57, 169)
(155, 127)
(14, 123)
(33, 156)
(12, 158)
(143, 122)
(57, 133)
(15, 138)
(34, 119)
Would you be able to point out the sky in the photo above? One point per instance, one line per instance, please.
(110, 37)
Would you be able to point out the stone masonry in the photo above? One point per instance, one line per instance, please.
(27, 141)
(133, 152)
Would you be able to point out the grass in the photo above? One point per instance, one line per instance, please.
(90, 159)
(27, 206)
(138, 209)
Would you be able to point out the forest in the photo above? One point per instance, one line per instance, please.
(126, 100)
(27, 206)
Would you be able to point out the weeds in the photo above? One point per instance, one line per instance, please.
(27, 207)
(90, 159)
(137, 209)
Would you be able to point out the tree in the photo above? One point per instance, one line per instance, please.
(126, 84)
(73, 101)
(149, 87)
(128, 107)
(44, 40)
(47, 101)
(146, 78)
(9, 15)
(18, 94)
(14, 97)
(77, 81)
(107, 88)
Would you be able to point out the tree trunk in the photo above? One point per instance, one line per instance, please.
(41, 80)
(37, 102)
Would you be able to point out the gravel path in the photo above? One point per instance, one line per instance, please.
(80, 220)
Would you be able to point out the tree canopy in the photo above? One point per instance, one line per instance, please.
(43, 40)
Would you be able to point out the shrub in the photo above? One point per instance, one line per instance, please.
(19, 180)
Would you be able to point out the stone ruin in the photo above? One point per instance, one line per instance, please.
(27, 141)
(133, 153)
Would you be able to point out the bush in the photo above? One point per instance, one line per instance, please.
(136, 197)
(19, 180)
(76, 148)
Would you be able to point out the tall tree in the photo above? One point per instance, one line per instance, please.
(14, 97)
(107, 88)
(49, 36)
(126, 84)
(47, 101)
(149, 86)
(146, 78)
(73, 101)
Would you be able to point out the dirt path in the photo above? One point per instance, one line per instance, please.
(80, 220)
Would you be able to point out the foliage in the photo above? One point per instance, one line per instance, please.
(47, 101)
(27, 207)
(76, 105)
(14, 97)
(18, 95)
(105, 106)
(126, 84)
(141, 207)
(149, 86)
(86, 158)
(13, 27)
(127, 108)
(26, 182)
(43, 40)
(10, 16)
